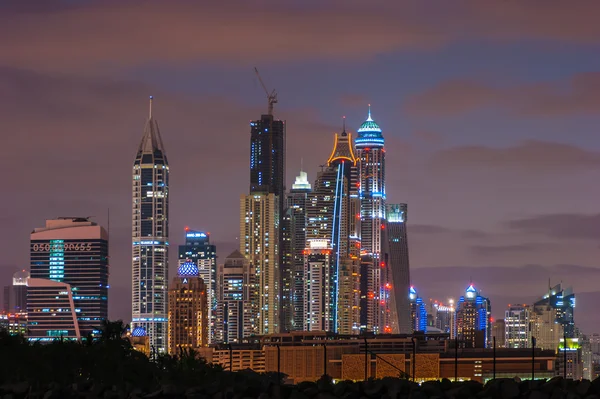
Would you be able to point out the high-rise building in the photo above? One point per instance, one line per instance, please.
(517, 322)
(259, 242)
(74, 251)
(293, 225)
(473, 319)
(418, 311)
(399, 266)
(331, 244)
(563, 301)
(188, 310)
(199, 251)
(51, 311)
(547, 332)
(15, 295)
(150, 237)
(375, 298)
(235, 309)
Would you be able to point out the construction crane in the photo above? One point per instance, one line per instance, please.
(271, 97)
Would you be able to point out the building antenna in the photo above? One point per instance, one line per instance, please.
(301, 164)
(344, 124)
(150, 113)
(108, 227)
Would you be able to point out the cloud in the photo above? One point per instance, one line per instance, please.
(112, 34)
(499, 250)
(580, 94)
(532, 155)
(569, 226)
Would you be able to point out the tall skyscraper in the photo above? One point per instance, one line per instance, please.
(473, 319)
(188, 310)
(15, 295)
(51, 311)
(418, 311)
(198, 251)
(235, 310)
(293, 227)
(259, 242)
(397, 215)
(331, 257)
(150, 237)
(74, 251)
(563, 301)
(517, 326)
(375, 298)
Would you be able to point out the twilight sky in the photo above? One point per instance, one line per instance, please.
(490, 112)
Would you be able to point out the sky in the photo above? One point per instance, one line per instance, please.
(490, 111)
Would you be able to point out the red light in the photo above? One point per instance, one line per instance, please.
(187, 228)
(382, 226)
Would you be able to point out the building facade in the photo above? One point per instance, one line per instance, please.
(188, 310)
(150, 236)
(235, 300)
(517, 326)
(473, 319)
(259, 243)
(375, 298)
(198, 250)
(51, 311)
(562, 300)
(397, 215)
(74, 251)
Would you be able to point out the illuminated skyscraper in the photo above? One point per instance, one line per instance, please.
(563, 301)
(201, 254)
(399, 266)
(418, 311)
(150, 237)
(235, 309)
(259, 242)
(375, 300)
(331, 257)
(188, 310)
(294, 240)
(473, 319)
(517, 326)
(74, 251)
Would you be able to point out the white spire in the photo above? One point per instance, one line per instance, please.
(152, 97)
(369, 117)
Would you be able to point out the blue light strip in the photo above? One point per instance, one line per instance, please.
(338, 192)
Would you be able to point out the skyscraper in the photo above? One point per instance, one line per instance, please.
(375, 301)
(150, 237)
(235, 309)
(331, 245)
(259, 242)
(398, 264)
(563, 301)
(74, 251)
(473, 319)
(203, 255)
(418, 311)
(293, 225)
(517, 326)
(188, 310)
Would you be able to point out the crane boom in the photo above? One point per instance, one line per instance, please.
(271, 97)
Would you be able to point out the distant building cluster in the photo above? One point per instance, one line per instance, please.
(326, 260)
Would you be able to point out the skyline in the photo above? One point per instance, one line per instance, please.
(472, 134)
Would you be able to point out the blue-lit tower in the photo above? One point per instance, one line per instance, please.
(150, 236)
(418, 311)
(473, 319)
(198, 254)
(375, 296)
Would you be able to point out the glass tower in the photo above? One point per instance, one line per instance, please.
(150, 237)
(375, 301)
